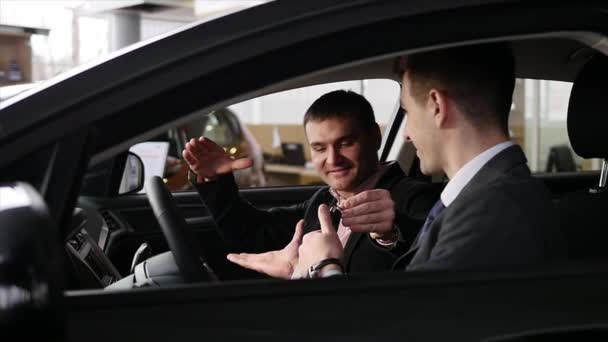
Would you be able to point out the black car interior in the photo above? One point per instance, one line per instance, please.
(109, 234)
(581, 211)
(31, 297)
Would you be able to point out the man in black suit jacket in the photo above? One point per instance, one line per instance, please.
(492, 212)
(380, 207)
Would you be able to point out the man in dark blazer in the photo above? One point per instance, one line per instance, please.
(380, 207)
(492, 213)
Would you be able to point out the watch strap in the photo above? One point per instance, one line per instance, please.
(315, 269)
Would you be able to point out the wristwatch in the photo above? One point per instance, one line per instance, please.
(315, 269)
(396, 237)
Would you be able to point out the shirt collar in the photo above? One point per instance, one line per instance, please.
(463, 176)
(368, 184)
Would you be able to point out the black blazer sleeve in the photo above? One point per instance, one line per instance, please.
(413, 200)
(244, 227)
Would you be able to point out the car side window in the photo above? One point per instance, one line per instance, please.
(268, 129)
(538, 124)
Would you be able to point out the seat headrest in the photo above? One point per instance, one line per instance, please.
(587, 110)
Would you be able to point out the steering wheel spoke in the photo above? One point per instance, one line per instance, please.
(186, 249)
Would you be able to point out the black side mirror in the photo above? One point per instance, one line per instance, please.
(133, 175)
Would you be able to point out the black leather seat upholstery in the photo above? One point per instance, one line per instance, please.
(560, 159)
(583, 213)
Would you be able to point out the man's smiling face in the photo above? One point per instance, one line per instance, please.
(343, 154)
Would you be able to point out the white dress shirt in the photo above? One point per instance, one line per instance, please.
(463, 176)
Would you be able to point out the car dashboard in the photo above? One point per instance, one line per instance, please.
(90, 266)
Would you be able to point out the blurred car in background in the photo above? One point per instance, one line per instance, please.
(224, 127)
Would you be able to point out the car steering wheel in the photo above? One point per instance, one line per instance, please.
(186, 250)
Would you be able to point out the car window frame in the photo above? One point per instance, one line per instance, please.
(303, 287)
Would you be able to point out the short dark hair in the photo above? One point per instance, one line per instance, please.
(480, 79)
(342, 104)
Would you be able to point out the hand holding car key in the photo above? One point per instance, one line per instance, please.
(370, 211)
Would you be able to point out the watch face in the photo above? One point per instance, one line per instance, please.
(312, 272)
(315, 269)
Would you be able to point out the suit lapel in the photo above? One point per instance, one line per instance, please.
(404, 260)
(496, 167)
(416, 244)
(500, 164)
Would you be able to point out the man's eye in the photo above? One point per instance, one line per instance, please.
(347, 143)
(318, 149)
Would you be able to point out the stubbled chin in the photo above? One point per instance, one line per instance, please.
(340, 181)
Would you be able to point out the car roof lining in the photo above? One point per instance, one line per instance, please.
(566, 54)
(567, 51)
(552, 56)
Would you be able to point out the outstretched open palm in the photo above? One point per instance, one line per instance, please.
(208, 160)
(278, 264)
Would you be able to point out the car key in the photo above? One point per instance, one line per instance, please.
(336, 215)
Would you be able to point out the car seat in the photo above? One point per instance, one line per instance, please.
(582, 212)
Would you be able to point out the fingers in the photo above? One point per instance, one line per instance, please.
(375, 227)
(369, 211)
(195, 146)
(209, 145)
(197, 165)
(366, 196)
(296, 240)
(193, 153)
(297, 235)
(327, 226)
(228, 165)
(190, 159)
(272, 263)
(381, 217)
(368, 208)
(203, 146)
(319, 245)
(256, 262)
(242, 163)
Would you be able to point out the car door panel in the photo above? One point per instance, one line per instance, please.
(435, 306)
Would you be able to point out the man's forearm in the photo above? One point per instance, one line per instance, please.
(245, 227)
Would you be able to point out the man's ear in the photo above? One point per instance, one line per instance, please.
(438, 105)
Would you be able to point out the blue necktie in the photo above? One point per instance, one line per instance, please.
(435, 211)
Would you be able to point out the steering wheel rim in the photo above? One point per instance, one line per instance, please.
(188, 254)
